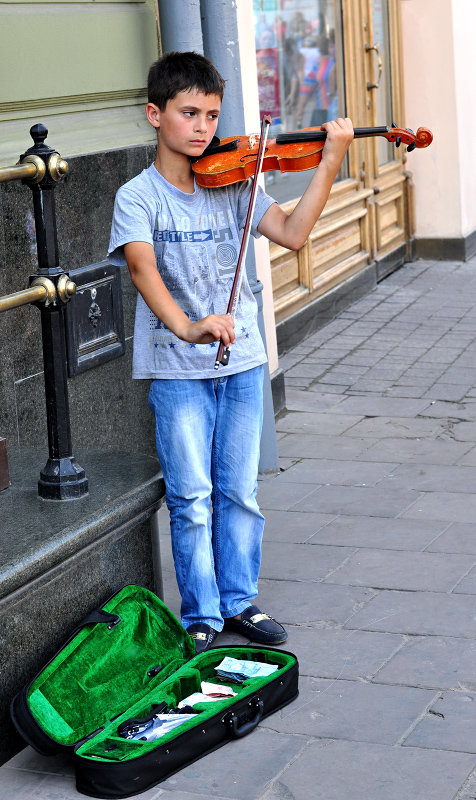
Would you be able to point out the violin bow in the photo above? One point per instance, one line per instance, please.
(223, 353)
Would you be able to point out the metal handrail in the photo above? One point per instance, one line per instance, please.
(32, 169)
(42, 290)
(41, 167)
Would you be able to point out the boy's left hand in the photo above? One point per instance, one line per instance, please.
(292, 230)
(340, 133)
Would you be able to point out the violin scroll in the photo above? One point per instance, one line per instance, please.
(422, 138)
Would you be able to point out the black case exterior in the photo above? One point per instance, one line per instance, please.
(20, 712)
(120, 779)
(28, 728)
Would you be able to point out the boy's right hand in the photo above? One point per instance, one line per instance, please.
(210, 329)
(142, 265)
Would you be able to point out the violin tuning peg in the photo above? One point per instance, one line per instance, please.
(411, 147)
(398, 141)
(394, 125)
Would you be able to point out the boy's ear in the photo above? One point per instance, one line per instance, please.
(153, 114)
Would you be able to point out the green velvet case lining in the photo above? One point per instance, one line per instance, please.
(100, 678)
(102, 671)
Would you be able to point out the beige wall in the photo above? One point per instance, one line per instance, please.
(78, 67)
(440, 88)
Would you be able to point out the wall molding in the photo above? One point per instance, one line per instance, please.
(95, 98)
(460, 248)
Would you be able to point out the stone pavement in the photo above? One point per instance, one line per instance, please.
(369, 559)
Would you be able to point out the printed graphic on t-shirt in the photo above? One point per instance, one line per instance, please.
(208, 285)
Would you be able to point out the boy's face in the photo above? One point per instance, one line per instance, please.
(188, 123)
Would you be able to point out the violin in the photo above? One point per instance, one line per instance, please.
(233, 159)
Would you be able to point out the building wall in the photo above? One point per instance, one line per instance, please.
(108, 410)
(78, 67)
(439, 89)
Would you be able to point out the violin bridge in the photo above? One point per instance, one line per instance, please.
(253, 139)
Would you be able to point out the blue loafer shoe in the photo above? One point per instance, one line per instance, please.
(203, 635)
(257, 626)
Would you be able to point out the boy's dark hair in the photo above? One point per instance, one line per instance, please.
(179, 72)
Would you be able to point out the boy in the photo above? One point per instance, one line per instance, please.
(181, 244)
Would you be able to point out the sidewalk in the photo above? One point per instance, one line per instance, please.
(369, 559)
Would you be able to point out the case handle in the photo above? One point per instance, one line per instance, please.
(231, 721)
(99, 615)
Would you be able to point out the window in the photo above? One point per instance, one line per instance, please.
(300, 74)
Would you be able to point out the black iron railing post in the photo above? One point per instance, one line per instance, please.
(61, 478)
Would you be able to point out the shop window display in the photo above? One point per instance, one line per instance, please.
(300, 74)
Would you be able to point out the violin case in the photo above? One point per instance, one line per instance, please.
(122, 661)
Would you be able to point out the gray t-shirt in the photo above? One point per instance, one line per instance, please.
(196, 239)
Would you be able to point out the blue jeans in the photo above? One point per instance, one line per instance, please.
(208, 437)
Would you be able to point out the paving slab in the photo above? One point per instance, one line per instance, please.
(421, 451)
(31, 761)
(279, 494)
(465, 431)
(299, 400)
(432, 662)
(237, 772)
(451, 506)
(326, 387)
(386, 533)
(337, 653)
(469, 458)
(418, 613)
(304, 369)
(468, 790)
(406, 391)
(445, 409)
(354, 710)
(166, 794)
(392, 569)
(399, 427)
(450, 724)
(303, 445)
(339, 472)
(467, 585)
(372, 385)
(26, 783)
(300, 383)
(448, 391)
(457, 375)
(431, 478)
(381, 406)
(308, 422)
(457, 538)
(294, 526)
(357, 500)
(303, 562)
(300, 603)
